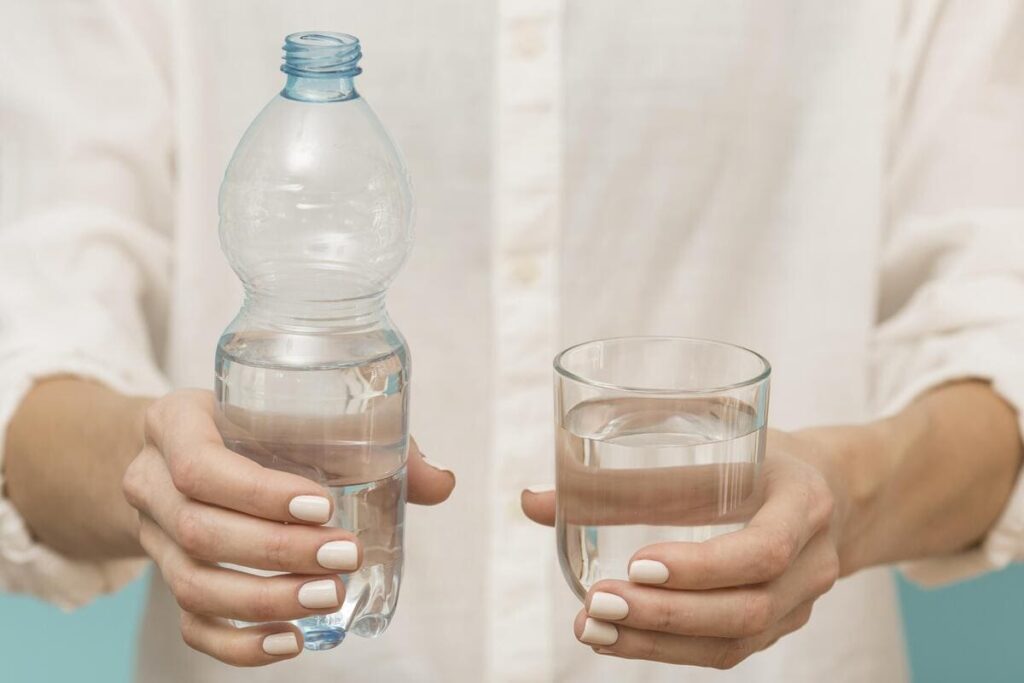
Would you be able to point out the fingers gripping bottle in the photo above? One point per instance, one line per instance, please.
(312, 376)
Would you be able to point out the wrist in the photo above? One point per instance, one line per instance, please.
(133, 440)
(67, 448)
(931, 480)
(115, 439)
(855, 460)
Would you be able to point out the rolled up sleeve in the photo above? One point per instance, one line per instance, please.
(952, 286)
(86, 174)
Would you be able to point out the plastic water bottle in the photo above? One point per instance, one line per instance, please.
(312, 376)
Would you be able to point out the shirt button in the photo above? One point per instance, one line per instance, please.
(528, 37)
(525, 272)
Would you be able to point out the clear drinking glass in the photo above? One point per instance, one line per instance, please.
(658, 439)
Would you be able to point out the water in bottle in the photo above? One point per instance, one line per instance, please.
(312, 376)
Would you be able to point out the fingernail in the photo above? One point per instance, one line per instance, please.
(540, 488)
(607, 606)
(318, 594)
(648, 571)
(603, 651)
(599, 633)
(310, 508)
(281, 644)
(343, 555)
(436, 465)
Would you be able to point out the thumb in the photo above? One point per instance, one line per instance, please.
(539, 504)
(429, 483)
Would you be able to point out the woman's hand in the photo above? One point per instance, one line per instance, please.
(201, 505)
(717, 602)
(829, 501)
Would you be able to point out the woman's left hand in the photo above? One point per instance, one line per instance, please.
(715, 603)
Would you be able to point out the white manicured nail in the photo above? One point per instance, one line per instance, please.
(436, 465)
(310, 508)
(599, 633)
(537, 489)
(648, 571)
(607, 606)
(343, 555)
(281, 644)
(318, 594)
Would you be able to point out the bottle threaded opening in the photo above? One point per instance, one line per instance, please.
(322, 54)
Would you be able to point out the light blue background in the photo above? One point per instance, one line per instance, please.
(968, 633)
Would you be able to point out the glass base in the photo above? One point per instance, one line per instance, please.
(323, 638)
(370, 626)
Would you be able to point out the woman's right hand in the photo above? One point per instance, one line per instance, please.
(201, 505)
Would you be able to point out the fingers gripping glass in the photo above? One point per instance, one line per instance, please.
(657, 439)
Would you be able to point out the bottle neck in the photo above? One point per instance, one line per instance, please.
(320, 66)
(320, 88)
(341, 315)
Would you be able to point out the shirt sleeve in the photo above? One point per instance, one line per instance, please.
(85, 216)
(952, 284)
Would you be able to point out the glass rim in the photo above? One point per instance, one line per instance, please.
(765, 373)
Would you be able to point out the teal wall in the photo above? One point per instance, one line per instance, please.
(96, 644)
(969, 633)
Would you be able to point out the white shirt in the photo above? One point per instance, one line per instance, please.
(837, 187)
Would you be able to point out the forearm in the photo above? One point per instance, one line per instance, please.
(929, 481)
(66, 451)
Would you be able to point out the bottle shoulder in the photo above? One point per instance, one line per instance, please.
(310, 142)
(317, 187)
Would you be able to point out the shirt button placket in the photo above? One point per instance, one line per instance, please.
(527, 176)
